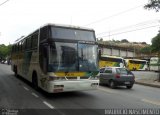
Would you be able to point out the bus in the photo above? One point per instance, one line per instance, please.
(154, 63)
(136, 64)
(57, 58)
(111, 61)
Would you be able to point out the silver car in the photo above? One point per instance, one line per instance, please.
(116, 76)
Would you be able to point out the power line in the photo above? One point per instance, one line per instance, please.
(4, 2)
(145, 23)
(100, 20)
(129, 31)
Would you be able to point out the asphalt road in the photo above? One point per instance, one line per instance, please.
(16, 94)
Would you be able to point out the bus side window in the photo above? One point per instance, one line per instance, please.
(44, 34)
(34, 41)
(43, 58)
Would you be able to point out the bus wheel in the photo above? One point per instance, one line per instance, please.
(35, 81)
(134, 69)
(15, 71)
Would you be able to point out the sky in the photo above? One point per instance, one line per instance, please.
(111, 19)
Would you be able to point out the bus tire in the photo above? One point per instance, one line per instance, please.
(35, 81)
(134, 69)
(15, 71)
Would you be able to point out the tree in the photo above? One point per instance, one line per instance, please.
(156, 48)
(146, 49)
(144, 43)
(101, 39)
(124, 41)
(4, 51)
(156, 43)
(153, 4)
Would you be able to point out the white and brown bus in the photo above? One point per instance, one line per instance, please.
(57, 58)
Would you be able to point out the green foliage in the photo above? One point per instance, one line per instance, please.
(153, 4)
(124, 41)
(101, 39)
(156, 43)
(146, 49)
(144, 43)
(4, 51)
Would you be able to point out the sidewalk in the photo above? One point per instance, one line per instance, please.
(148, 82)
(148, 78)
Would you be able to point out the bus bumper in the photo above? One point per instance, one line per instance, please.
(72, 85)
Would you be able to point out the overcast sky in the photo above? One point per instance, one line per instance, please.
(111, 19)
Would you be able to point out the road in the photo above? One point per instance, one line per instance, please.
(17, 94)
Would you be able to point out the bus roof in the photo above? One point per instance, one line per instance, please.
(67, 26)
(56, 25)
(111, 56)
(136, 59)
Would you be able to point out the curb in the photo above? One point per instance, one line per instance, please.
(147, 84)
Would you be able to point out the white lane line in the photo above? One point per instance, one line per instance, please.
(35, 95)
(49, 105)
(151, 101)
(25, 88)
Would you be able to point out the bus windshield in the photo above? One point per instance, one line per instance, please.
(154, 60)
(69, 57)
(138, 62)
(72, 34)
(112, 59)
(87, 57)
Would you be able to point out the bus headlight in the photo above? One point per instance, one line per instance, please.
(52, 78)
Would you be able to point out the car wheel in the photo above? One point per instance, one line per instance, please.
(112, 84)
(129, 87)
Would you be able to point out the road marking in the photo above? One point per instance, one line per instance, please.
(25, 88)
(151, 101)
(106, 90)
(49, 105)
(35, 95)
